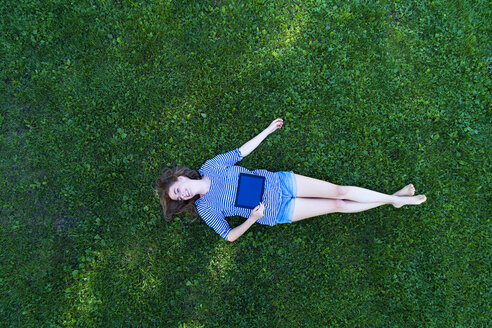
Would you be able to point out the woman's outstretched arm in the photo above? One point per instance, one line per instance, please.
(251, 145)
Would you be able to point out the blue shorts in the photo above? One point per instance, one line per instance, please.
(288, 186)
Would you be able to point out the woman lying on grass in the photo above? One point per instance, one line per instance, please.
(287, 197)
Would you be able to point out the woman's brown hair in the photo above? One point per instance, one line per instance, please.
(171, 207)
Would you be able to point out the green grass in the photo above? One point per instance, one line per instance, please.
(99, 96)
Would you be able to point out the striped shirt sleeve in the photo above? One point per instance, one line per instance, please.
(215, 220)
(226, 159)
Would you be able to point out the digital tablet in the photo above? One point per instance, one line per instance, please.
(250, 190)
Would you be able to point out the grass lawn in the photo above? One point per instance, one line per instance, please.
(98, 97)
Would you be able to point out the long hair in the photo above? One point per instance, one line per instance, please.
(171, 207)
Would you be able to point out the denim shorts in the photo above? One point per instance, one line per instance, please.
(288, 186)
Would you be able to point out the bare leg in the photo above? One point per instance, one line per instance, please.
(313, 188)
(311, 207)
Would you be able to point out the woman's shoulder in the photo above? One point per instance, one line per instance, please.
(225, 159)
(206, 207)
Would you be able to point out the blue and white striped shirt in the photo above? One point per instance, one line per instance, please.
(218, 202)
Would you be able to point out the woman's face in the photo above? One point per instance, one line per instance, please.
(182, 189)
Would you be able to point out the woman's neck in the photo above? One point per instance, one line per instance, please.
(204, 186)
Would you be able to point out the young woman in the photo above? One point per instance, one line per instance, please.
(287, 197)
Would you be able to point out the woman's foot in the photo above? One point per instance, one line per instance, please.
(408, 190)
(409, 200)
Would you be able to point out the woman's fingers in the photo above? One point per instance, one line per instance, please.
(258, 211)
(277, 124)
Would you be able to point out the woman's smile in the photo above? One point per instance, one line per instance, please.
(184, 194)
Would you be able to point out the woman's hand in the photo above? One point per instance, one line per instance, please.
(277, 124)
(258, 212)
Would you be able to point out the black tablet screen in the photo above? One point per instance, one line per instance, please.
(250, 190)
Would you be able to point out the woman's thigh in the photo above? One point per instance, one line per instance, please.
(310, 187)
(310, 207)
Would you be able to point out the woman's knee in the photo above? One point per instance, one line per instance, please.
(340, 205)
(342, 191)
